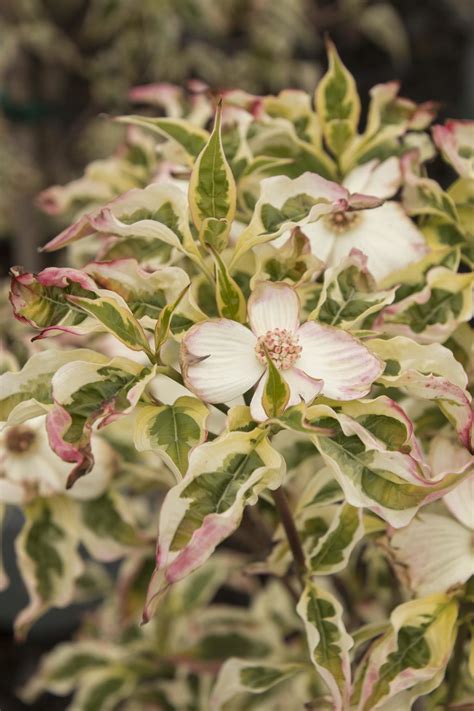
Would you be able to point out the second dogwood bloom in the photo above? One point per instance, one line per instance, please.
(222, 359)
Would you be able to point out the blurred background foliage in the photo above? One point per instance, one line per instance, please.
(63, 63)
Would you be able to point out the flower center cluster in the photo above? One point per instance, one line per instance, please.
(282, 347)
(340, 222)
(19, 439)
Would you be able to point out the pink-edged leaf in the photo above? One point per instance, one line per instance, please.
(40, 300)
(89, 394)
(202, 510)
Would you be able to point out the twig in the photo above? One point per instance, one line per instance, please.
(288, 523)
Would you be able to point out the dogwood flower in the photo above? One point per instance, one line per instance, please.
(29, 467)
(222, 359)
(436, 551)
(385, 234)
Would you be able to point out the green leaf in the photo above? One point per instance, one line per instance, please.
(230, 300)
(276, 392)
(163, 324)
(328, 641)
(212, 191)
(172, 430)
(214, 233)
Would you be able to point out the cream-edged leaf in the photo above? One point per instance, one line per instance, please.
(202, 510)
(172, 430)
(240, 676)
(428, 372)
(27, 393)
(337, 103)
(112, 311)
(409, 660)
(328, 641)
(189, 137)
(48, 558)
(159, 211)
(87, 394)
(212, 192)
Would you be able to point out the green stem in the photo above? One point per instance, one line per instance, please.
(288, 523)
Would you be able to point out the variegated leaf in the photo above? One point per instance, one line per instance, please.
(434, 313)
(103, 689)
(328, 641)
(423, 196)
(328, 533)
(337, 103)
(108, 530)
(188, 136)
(146, 292)
(172, 430)
(334, 548)
(212, 192)
(86, 394)
(428, 372)
(112, 311)
(41, 300)
(64, 667)
(368, 456)
(230, 300)
(349, 294)
(27, 393)
(410, 659)
(158, 212)
(165, 319)
(48, 558)
(239, 676)
(202, 510)
(455, 140)
(292, 262)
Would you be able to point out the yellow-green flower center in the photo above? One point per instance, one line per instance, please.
(340, 222)
(282, 347)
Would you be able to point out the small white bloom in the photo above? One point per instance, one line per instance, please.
(385, 234)
(29, 467)
(222, 359)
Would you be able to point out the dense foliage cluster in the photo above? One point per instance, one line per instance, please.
(274, 302)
